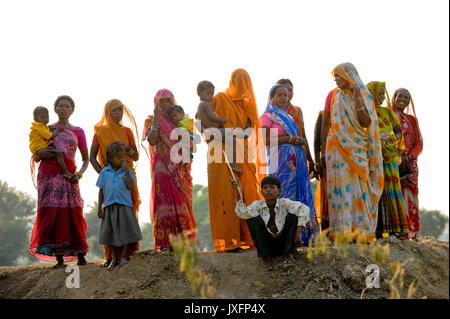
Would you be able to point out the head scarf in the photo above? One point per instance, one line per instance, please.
(393, 146)
(280, 116)
(237, 104)
(375, 88)
(165, 124)
(409, 112)
(360, 147)
(108, 131)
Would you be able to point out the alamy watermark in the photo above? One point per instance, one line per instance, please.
(73, 279)
(240, 146)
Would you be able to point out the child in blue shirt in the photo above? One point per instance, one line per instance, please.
(119, 225)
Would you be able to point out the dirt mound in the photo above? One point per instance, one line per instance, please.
(240, 275)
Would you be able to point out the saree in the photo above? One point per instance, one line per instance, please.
(59, 227)
(290, 166)
(413, 147)
(107, 131)
(354, 162)
(171, 208)
(392, 218)
(238, 105)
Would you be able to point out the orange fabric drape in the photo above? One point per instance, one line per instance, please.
(238, 105)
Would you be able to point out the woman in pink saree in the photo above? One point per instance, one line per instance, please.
(171, 209)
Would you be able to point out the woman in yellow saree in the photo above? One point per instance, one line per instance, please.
(354, 163)
(392, 218)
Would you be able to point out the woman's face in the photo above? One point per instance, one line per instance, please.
(402, 99)
(117, 114)
(341, 82)
(281, 97)
(64, 109)
(290, 91)
(165, 103)
(381, 96)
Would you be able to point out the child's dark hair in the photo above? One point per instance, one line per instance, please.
(203, 85)
(271, 180)
(113, 149)
(175, 108)
(285, 81)
(39, 109)
(66, 98)
(272, 93)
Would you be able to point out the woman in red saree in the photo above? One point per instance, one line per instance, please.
(111, 129)
(409, 171)
(59, 232)
(171, 209)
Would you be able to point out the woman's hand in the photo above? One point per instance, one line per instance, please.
(355, 89)
(46, 153)
(157, 113)
(297, 140)
(235, 184)
(75, 178)
(312, 170)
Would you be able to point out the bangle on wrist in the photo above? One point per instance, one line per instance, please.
(80, 175)
(290, 139)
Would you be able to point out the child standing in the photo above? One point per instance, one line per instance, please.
(119, 225)
(41, 137)
(274, 222)
(208, 119)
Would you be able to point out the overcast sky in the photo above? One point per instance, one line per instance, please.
(98, 50)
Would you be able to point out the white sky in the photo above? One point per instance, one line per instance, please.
(98, 50)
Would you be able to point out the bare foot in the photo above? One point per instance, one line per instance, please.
(267, 262)
(59, 265)
(123, 261)
(106, 263)
(83, 262)
(289, 259)
(113, 265)
(235, 167)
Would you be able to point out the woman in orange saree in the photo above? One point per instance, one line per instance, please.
(111, 129)
(171, 209)
(238, 105)
(353, 156)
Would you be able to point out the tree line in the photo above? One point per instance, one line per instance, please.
(18, 212)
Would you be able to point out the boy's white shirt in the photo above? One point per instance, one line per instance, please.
(283, 207)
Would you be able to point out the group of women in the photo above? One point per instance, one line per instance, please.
(365, 160)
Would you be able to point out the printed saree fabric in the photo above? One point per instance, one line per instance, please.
(413, 147)
(354, 161)
(171, 209)
(238, 105)
(287, 162)
(59, 227)
(391, 210)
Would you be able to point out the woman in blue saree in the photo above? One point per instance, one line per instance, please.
(287, 160)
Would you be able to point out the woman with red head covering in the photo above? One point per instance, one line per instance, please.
(171, 209)
(409, 171)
